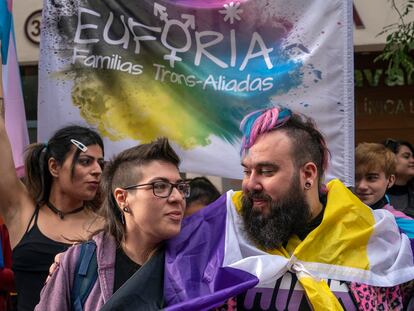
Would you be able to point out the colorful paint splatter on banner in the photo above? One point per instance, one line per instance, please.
(188, 70)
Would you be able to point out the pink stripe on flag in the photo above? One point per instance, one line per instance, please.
(396, 213)
(15, 117)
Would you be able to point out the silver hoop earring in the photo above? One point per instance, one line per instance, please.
(308, 185)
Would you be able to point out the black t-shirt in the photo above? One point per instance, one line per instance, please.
(402, 199)
(144, 290)
(287, 294)
(124, 268)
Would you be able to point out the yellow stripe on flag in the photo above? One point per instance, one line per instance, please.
(319, 294)
(344, 232)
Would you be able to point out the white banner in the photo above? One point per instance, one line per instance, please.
(190, 70)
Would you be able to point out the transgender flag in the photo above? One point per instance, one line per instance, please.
(15, 117)
(404, 222)
(212, 259)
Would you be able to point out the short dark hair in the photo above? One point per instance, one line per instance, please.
(202, 190)
(308, 143)
(37, 176)
(123, 170)
(395, 145)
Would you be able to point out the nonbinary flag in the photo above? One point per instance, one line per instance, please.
(212, 259)
(13, 104)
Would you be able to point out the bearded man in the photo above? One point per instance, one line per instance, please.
(286, 242)
(283, 198)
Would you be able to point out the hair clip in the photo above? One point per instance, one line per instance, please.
(79, 145)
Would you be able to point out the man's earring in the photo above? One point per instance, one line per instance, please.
(308, 184)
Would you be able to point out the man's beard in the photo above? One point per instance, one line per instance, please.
(288, 215)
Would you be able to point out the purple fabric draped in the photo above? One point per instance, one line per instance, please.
(194, 278)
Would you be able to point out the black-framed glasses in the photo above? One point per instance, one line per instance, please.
(163, 189)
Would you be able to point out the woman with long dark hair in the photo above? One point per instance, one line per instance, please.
(55, 205)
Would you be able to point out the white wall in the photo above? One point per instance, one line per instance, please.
(375, 14)
(27, 51)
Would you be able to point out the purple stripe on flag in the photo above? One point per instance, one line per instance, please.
(412, 245)
(229, 282)
(194, 278)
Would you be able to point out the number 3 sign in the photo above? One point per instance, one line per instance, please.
(32, 26)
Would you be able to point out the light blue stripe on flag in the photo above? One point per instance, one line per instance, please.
(5, 26)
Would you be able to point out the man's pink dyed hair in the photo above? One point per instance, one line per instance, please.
(263, 121)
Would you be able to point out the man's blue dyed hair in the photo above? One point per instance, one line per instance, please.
(308, 144)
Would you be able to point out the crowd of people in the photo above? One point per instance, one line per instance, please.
(135, 235)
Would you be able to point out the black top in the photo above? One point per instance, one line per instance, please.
(32, 258)
(402, 198)
(124, 268)
(314, 222)
(380, 204)
(143, 291)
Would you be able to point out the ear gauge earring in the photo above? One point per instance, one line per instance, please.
(308, 185)
(126, 210)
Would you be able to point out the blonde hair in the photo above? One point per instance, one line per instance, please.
(372, 156)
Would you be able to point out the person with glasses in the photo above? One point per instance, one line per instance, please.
(143, 204)
(401, 194)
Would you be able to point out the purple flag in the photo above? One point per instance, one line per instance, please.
(195, 278)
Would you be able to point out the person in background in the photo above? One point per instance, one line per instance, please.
(374, 175)
(144, 205)
(203, 192)
(54, 206)
(401, 194)
(6, 273)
